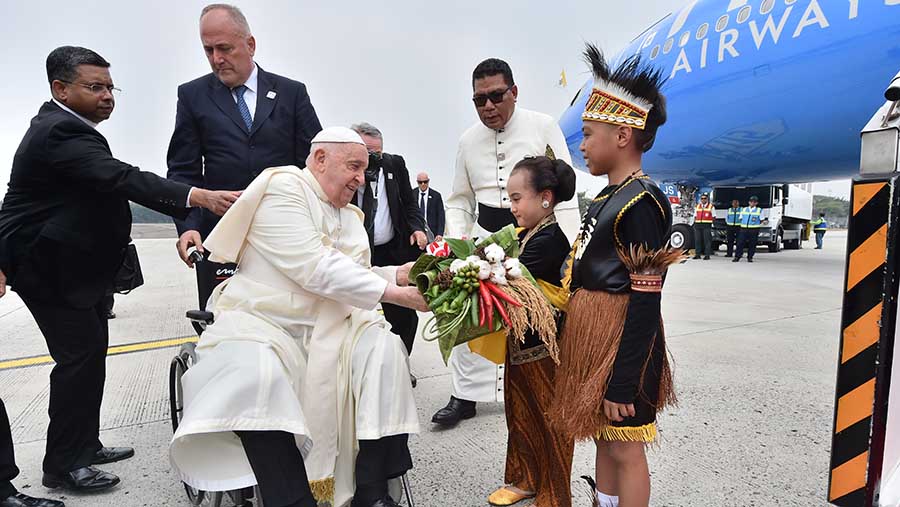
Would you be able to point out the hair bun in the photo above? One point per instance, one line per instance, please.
(565, 177)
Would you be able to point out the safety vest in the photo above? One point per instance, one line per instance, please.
(751, 218)
(733, 217)
(820, 225)
(703, 214)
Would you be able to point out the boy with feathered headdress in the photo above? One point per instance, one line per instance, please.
(614, 374)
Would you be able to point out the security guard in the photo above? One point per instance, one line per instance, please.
(703, 220)
(733, 224)
(820, 225)
(751, 222)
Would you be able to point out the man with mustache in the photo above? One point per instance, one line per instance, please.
(230, 125)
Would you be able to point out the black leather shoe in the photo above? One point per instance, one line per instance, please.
(455, 411)
(749, 259)
(111, 455)
(736, 259)
(696, 256)
(20, 500)
(82, 479)
(706, 257)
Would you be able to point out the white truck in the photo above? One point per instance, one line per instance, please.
(786, 212)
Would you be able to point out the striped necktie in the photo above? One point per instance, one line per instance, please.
(242, 106)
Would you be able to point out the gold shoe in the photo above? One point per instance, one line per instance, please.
(505, 496)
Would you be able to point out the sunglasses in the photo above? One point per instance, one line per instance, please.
(422, 181)
(495, 97)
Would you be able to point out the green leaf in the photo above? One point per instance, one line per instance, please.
(424, 263)
(461, 248)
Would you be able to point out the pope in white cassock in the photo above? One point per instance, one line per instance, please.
(299, 385)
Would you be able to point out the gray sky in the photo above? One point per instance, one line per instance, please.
(404, 65)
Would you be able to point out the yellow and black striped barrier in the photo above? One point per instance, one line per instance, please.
(866, 327)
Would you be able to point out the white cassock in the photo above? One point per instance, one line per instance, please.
(297, 343)
(484, 162)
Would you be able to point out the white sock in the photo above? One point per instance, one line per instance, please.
(604, 500)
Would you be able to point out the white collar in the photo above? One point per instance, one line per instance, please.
(252, 82)
(82, 118)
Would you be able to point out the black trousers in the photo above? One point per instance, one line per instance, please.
(209, 275)
(278, 467)
(404, 321)
(731, 235)
(8, 468)
(703, 239)
(748, 237)
(378, 461)
(77, 340)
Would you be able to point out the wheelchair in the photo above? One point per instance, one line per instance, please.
(398, 488)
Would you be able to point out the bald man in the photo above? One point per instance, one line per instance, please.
(431, 205)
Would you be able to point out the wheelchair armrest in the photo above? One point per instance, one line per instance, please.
(200, 316)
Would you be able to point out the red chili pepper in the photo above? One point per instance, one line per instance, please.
(488, 303)
(502, 311)
(497, 291)
(481, 311)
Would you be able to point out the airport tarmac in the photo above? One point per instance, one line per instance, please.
(755, 355)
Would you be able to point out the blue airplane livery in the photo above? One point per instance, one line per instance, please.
(762, 91)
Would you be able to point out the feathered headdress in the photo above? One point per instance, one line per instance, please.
(623, 96)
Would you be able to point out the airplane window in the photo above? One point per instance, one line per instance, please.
(668, 46)
(685, 38)
(744, 14)
(767, 7)
(704, 29)
(722, 23)
(654, 52)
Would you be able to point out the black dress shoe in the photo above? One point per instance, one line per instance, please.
(706, 257)
(749, 259)
(82, 479)
(20, 500)
(455, 411)
(111, 455)
(736, 259)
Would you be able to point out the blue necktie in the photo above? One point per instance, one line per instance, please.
(242, 106)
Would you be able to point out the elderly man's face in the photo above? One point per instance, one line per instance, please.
(340, 170)
(422, 180)
(494, 115)
(229, 51)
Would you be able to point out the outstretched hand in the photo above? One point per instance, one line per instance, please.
(403, 274)
(185, 242)
(407, 297)
(420, 239)
(217, 201)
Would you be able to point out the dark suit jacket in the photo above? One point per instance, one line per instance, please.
(434, 209)
(405, 214)
(212, 148)
(65, 219)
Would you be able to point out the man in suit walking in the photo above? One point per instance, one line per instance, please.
(232, 124)
(431, 205)
(395, 225)
(64, 228)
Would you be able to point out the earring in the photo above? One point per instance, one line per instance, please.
(545, 204)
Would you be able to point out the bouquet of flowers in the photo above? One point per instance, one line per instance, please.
(476, 289)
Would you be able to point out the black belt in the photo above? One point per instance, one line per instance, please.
(493, 219)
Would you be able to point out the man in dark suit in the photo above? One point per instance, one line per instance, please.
(431, 205)
(232, 124)
(64, 228)
(395, 225)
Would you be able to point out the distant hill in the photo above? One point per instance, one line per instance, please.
(836, 210)
(142, 215)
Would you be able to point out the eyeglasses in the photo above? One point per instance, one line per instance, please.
(495, 97)
(96, 88)
(420, 182)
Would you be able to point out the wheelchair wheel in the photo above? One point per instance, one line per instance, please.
(177, 368)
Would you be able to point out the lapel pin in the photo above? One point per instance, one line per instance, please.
(390, 176)
(271, 95)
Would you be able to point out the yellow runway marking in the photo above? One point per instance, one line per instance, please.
(115, 350)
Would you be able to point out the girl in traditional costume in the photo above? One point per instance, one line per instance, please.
(538, 457)
(614, 374)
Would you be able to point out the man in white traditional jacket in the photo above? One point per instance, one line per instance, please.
(299, 368)
(479, 204)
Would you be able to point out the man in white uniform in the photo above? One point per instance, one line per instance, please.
(298, 368)
(479, 204)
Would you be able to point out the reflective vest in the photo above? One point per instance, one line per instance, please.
(703, 214)
(733, 217)
(751, 218)
(820, 225)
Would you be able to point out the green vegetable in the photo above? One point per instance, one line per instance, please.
(445, 296)
(473, 309)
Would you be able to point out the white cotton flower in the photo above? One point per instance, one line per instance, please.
(457, 264)
(498, 275)
(513, 268)
(473, 260)
(484, 270)
(494, 253)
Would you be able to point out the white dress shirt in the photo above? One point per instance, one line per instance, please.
(250, 93)
(384, 226)
(486, 158)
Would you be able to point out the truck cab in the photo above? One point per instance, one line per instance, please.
(786, 212)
